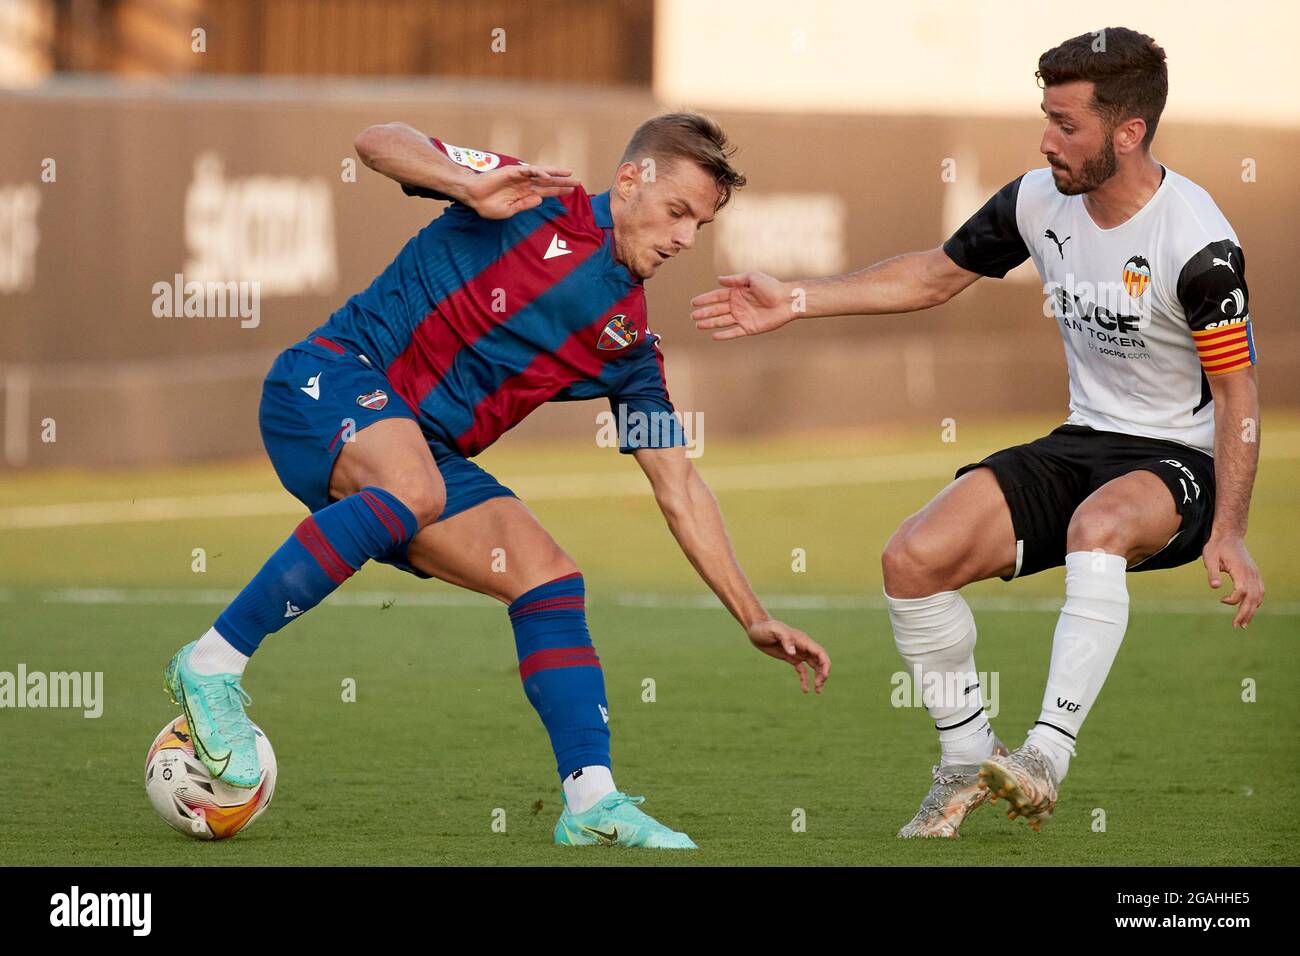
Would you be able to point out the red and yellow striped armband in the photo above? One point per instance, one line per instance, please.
(1225, 349)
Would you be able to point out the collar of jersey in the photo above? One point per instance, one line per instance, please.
(600, 210)
(604, 219)
(1158, 194)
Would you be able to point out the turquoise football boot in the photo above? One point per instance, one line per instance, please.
(616, 821)
(214, 708)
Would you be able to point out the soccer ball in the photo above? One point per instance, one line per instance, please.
(188, 798)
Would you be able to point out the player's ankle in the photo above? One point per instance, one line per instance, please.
(586, 787)
(971, 749)
(1053, 750)
(213, 654)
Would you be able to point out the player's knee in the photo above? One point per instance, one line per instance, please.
(426, 497)
(542, 568)
(1108, 529)
(912, 563)
(557, 564)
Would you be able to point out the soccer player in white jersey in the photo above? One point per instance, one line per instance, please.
(1152, 469)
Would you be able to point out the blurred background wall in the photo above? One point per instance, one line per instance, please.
(212, 139)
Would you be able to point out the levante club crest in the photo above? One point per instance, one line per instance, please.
(374, 401)
(1137, 276)
(618, 333)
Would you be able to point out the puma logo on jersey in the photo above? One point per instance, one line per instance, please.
(558, 247)
(1060, 243)
(312, 388)
(1222, 262)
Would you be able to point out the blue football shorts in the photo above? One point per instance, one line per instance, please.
(316, 398)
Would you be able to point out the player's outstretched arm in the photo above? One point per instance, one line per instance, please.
(752, 302)
(696, 522)
(1236, 456)
(406, 155)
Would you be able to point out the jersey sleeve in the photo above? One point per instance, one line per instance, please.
(641, 406)
(478, 160)
(1212, 291)
(989, 242)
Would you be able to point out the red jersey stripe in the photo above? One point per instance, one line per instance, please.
(480, 304)
(547, 374)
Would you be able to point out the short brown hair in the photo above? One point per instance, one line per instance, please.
(692, 136)
(1127, 70)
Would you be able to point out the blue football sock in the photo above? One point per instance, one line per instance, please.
(561, 673)
(322, 553)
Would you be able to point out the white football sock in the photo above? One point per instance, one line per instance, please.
(213, 654)
(1088, 635)
(936, 637)
(974, 748)
(586, 787)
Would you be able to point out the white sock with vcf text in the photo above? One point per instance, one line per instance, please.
(1088, 634)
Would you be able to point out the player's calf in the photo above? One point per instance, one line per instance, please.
(563, 680)
(323, 552)
(1124, 522)
(963, 535)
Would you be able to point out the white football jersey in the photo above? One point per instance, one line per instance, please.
(1146, 309)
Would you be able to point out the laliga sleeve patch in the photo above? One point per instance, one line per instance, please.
(476, 159)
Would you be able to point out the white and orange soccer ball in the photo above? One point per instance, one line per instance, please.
(188, 798)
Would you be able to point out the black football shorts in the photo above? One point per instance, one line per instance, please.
(1044, 482)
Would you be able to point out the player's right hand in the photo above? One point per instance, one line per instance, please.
(511, 189)
(1230, 555)
(748, 304)
(785, 643)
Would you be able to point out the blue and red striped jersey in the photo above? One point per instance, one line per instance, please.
(477, 322)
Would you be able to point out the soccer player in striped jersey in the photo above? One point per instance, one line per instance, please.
(1154, 467)
(525, 290)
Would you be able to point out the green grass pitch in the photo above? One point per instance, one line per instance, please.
(1181, 770)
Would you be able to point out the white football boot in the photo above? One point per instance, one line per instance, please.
(956, 791)
(1028, 781)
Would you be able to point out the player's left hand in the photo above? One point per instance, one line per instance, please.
(792, 645)
(1230, 555)
(503, 192)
